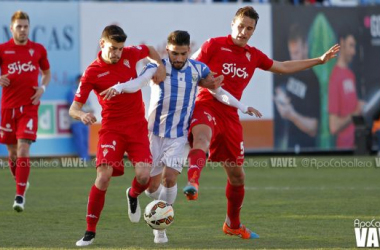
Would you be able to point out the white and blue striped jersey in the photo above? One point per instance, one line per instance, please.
(172, 101)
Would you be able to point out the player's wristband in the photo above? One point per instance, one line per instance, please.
(43, 87)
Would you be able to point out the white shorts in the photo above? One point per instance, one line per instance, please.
(170, 152)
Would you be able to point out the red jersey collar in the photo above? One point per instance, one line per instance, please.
(12, 42)
(231, 42)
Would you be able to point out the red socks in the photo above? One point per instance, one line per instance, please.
(197, 160)
(235, 197)
(137, 188)
(95, 206)
(23, 170)
(12, 167)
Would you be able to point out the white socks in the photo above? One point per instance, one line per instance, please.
(168, 194)
(163, 193)
(155, 194)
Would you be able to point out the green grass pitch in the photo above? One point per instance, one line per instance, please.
(289, 207)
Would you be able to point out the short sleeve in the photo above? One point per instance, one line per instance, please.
(264, 62)
(44, 62)
(83, 90)
(205, 70)
(204, 54)
(139, 52)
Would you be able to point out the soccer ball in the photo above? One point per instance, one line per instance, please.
(159, 214)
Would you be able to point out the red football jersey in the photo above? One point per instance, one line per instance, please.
(343, 101)
(123, 109)
(237, 64)
(22, 63)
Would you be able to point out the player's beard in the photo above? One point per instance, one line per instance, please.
(178, 65)
(114, 60)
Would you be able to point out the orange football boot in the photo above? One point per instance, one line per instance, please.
(241, 232)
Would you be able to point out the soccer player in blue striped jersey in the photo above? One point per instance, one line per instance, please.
(171, 107)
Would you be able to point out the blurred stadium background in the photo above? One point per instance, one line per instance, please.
(291, 207)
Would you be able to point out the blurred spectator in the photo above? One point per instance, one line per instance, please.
(79, 130)
(343, 99)
(298, 101)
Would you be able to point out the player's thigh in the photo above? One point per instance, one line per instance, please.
(27, 123)
(202, 123)
(156, 148)
(228, 146)
(110, 151)
(8, 127)
(175, 151)
(137, 143)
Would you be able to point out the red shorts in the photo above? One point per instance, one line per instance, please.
(19, 123)
(227, 133)
(114, 142)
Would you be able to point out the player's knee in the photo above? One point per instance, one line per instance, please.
(201, 141)
(169, 181)
(143, 178)
(237, 179)
(23, 150)
(12, 154)
(103, 180)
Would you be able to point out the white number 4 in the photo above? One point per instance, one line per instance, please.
(29, 125)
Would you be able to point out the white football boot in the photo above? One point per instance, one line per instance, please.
(160, 236)
(134, 210)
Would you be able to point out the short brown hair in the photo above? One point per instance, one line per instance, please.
(296, 32)
(19, 15)
(247, 11)
(114, 33)
(179, 38)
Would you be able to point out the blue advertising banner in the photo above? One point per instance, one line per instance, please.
(56, 26)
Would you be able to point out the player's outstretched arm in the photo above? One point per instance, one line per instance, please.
(289, 67)
(77, 113)
(131, 86)
(225, 97)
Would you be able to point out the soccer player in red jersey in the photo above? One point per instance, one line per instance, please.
(124, 127)
(215, 127)
(21, 61)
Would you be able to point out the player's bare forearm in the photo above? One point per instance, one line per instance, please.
(75, 110)
(211, 82)
(289, 67)
(46, 77)
(77, 113)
